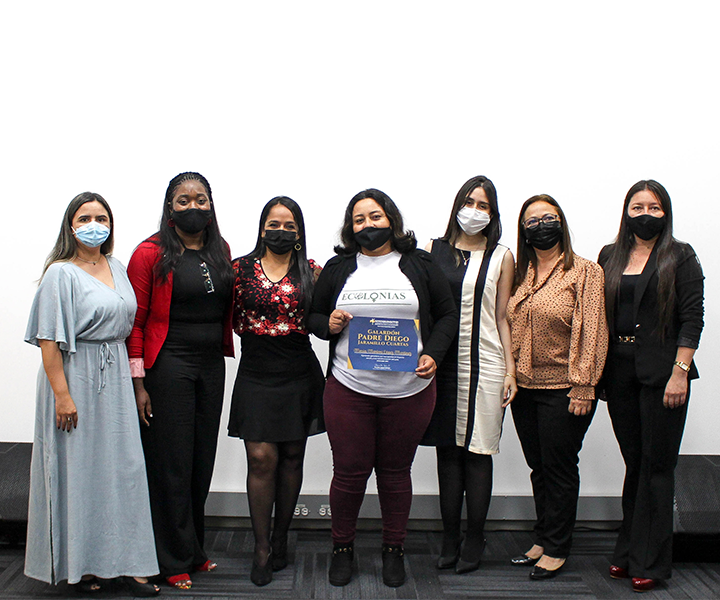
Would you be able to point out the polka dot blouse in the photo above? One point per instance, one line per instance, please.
(559, 331)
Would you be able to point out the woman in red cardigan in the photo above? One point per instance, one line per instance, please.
(183, 280)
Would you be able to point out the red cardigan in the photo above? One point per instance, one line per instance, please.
(152, 319)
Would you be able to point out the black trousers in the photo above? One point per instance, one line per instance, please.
(186, 391)
(649, 436)
(551, 439)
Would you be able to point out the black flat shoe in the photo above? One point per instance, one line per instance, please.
(449, 555)
(262, 575)
(140, 590)
(538, 573)
(523, 561)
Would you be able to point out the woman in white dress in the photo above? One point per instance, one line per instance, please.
(476, 380)
(89, 513)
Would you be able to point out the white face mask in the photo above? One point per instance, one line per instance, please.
(472, 220)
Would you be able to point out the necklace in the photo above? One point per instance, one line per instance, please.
(90, 262)
(466, 254)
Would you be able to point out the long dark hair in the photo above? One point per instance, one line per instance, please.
(214, 250)
(493, 230)
(401, 240)
(666, 259)
(526, 253)
(66, 245)
(298, 256)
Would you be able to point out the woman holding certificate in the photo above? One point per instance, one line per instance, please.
(390, 317)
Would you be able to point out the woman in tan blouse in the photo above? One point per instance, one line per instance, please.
(560, 339)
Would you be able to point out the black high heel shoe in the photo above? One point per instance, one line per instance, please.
(262, 575)
(279, 554)
(467, 566)
(446, 560)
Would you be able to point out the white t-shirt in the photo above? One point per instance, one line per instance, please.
(377, 288)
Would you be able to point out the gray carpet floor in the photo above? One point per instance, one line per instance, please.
(585, 575)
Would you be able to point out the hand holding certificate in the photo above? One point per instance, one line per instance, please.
(381, 344)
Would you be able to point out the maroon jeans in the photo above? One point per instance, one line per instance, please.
(369, 433)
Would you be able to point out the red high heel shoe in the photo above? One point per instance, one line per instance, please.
(181, 581)
(206, 567)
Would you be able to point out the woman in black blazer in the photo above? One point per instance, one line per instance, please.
(654, 304)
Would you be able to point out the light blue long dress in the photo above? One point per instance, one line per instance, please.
(89, 510)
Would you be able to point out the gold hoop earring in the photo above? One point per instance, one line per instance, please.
(298, 246)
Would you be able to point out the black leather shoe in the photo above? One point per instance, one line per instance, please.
(341, 565)
(539, 573)
(449, 554)
(262, 575)
(523, 561)
(393, 570)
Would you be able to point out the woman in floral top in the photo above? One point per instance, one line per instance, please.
(277, 399)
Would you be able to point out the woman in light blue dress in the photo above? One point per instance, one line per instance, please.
(89, 513)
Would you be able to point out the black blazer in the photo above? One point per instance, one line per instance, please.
(438, 313)
(655, 356)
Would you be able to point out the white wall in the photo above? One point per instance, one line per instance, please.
(318, 100)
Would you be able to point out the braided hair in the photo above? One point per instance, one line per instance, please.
(214, 250)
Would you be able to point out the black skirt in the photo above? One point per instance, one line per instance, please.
(278, 390)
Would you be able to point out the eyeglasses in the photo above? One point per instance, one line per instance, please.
(533, 222)
(209, 287)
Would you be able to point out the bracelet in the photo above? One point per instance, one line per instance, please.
(684, 366)
(510, 375)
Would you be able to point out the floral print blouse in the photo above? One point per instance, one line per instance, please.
(265, 307)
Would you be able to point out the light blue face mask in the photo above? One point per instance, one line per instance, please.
(93, 234)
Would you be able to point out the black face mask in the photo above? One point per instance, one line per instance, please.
(371, 238)
(545, 235)
(646, 227)
(279, 240)
(191, 220)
